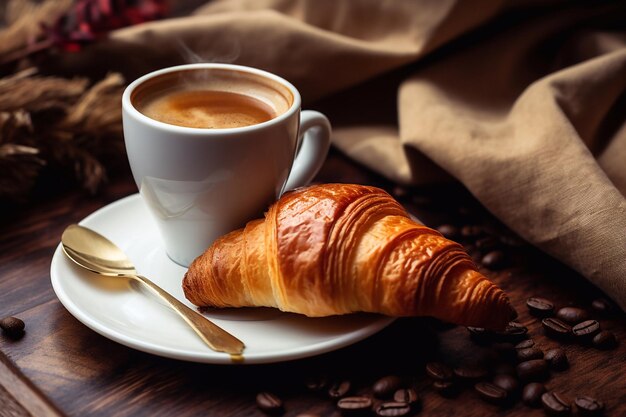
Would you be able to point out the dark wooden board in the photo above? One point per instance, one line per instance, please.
(60, 363)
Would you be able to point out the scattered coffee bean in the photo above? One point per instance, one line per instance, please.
(445, 388)
(491, 393)
(540, 307)
(528, 354)
(386, 386)
(308, 415)
(572, 315)
(555, 403)
(557, 359)
(393, 409)
(513, 241)
(487, 244)
(533, 370)
(494, 260)
(339, 389)
(605, 340)
(400, 192)
(514, 332)
(406, 395)
(472, 231)
(269, 403)
(506, 382)
(316, 384)
(449, 231)
(470, 373)
(12, 327)
(479, 335)
(555, 328)
(439, 371)
(353, 405)
(589, 406)
(525, 344)
(604, 307)
(586, 330)
(531, 395)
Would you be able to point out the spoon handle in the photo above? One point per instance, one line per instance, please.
(217, 338)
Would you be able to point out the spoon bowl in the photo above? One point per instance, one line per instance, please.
(94, 252)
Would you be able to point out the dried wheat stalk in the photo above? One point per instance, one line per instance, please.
(82, 128)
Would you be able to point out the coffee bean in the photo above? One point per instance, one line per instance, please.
(514, 332)
(487, 244)
(339, 389)
(386, 386)
(605, 340)
(472, 231)
(506, 382)
(557, 359)
(528, 354)
(491, 393)
(494, 260)
(525, 344)
(555, 328)
(449, 231)
(393, 409)
(12, 327)
(533, 370)
(572, 315)
(445, 388)
(479, 335)
(470, 373)
(399, 192)
(604, 307)
(589, 406)
(531, 395)
(586, 330)
(540, 307)
(354, 404)
(555, 403)
(269, 403)
(406, 395)
(316, 384)
(308, 415)
(439, 371)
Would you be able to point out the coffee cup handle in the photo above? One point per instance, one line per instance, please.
(313, 145)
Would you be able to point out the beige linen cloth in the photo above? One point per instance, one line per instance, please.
(524, 102)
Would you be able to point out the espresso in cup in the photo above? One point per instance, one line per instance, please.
(212, 100)
(211, 146)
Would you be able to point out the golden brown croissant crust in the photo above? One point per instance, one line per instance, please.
(341, 248)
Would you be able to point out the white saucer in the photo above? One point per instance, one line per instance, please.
(122, 312)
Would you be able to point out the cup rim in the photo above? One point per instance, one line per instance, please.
(132, 110)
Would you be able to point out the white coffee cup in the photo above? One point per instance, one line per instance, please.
(201, 183)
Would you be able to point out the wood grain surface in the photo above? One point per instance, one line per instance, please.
(62, 367)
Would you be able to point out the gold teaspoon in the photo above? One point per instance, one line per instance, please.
(96, 253)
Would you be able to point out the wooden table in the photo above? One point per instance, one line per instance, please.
(60, 367)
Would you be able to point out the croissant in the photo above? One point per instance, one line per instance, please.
(342, 248)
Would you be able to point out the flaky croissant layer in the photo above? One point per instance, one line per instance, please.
(342, 248)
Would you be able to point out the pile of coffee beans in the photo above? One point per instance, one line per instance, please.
(12, 327)
(519, 375)
(567, 325)
(573, 324)
(486, 247)
(388, 396)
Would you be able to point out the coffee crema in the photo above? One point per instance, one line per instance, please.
(213, 98)
(208, 109)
